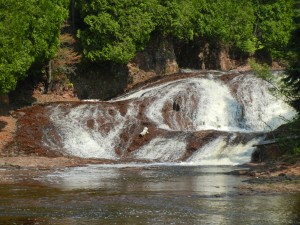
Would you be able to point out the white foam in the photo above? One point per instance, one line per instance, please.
(162, 149)
(204, 104)
(78, 139)
(262, 110)
(220, 152)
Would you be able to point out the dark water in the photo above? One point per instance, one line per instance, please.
(157, 194)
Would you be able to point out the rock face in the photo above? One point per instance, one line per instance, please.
(157, 59)
(207, 118)
(266, 153)
(207, 55)
(164, 56)
(100, 81)
(106, 80)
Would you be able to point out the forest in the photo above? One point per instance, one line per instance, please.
(114, 31)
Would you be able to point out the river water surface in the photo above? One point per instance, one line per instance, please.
(139, 194)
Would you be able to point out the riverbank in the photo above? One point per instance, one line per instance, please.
(271, 177)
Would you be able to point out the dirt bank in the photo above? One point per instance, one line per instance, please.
(43, 162)
(275, 177)
(7, 130)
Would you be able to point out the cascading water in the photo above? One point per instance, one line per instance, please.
(203, 104)
(197, 120)
(262, 110)
(90, 130)
(219, 152)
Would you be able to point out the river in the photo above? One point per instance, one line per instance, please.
(161, 193)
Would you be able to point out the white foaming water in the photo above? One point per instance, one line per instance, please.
(262, 110)
(162, 149)
(210, 104)
(204, 104)
(80, 139)
(220, 152)
(96, 130)
(144, 92)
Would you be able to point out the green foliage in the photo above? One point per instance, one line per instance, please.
(289, 139)
(293, 82)
(251, 45)
(230, 21)
(15, 56)
(115, 30)
(274, 24)
(293, 79)
(261, 70)
(179, 18)
(47, 18)
(29, 32)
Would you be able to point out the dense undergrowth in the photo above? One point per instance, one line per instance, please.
(289, 138)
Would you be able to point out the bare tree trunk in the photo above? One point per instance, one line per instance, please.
(48, 87)
(4, 104)
(4, 99)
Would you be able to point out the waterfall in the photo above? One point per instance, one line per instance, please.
(90, 130)
(162, 149)
(219, 152)
(197, 119)
(262, 110)
(203, 104)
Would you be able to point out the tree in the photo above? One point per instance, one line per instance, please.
(293, 72)
(230, 22)
(115, 30)
(274, 24)
(29, 31)
(15, 50)
(178, 18)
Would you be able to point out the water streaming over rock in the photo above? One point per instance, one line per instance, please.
(201, 119)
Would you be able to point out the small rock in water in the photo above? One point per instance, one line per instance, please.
(144, 132)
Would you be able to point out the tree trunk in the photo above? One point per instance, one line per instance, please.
(48, 85)
(4, 104)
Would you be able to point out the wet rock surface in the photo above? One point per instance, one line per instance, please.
(40, 134)
(174, 109)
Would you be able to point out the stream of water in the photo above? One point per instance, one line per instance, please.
(140, 194)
